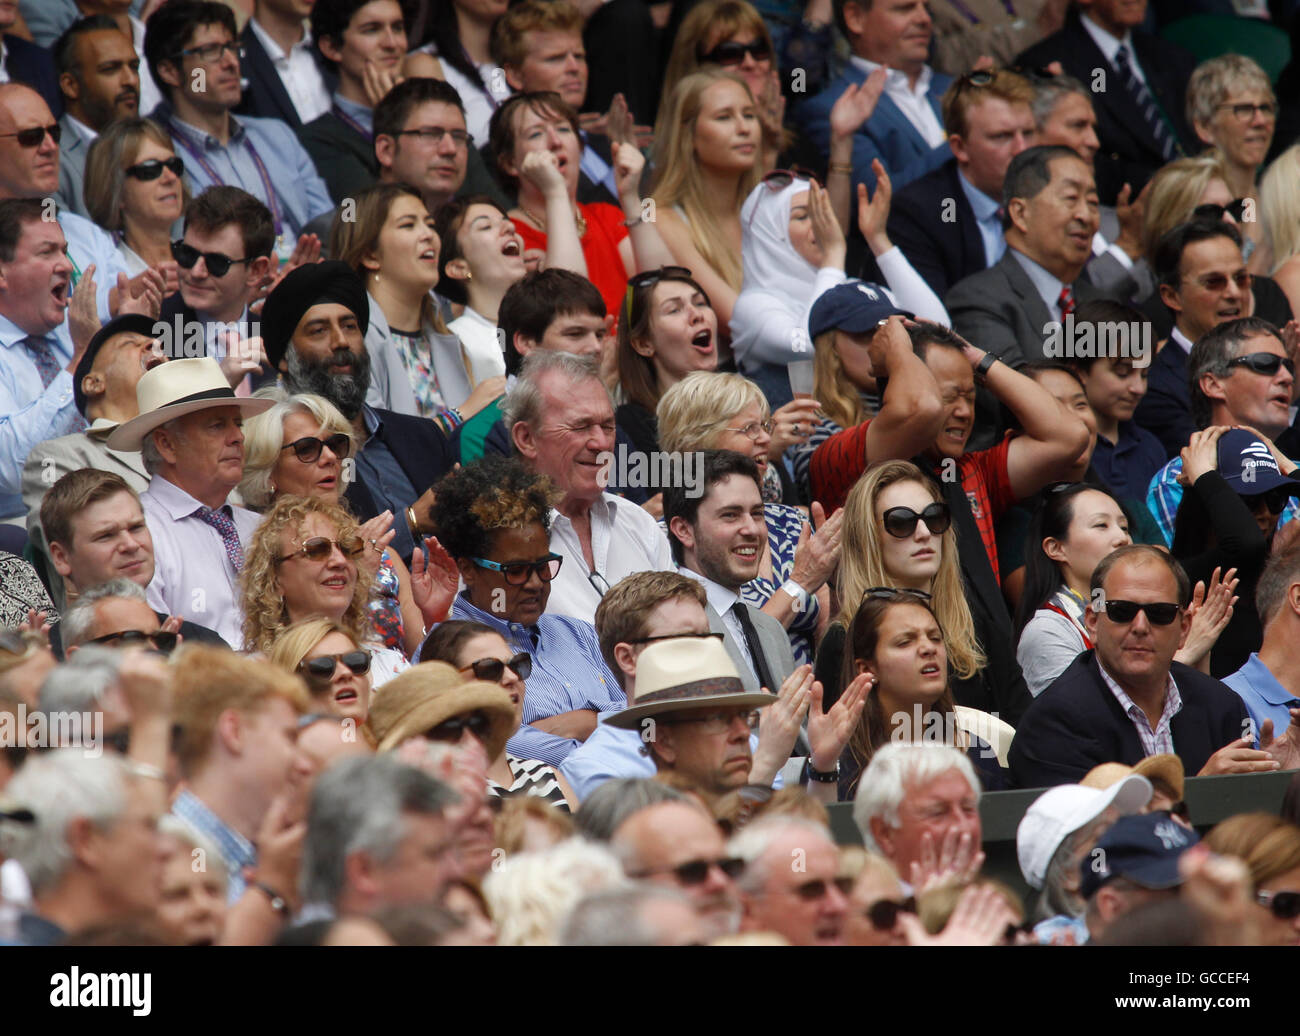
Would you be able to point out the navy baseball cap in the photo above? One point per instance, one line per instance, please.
(1248, 465)
(1144, 848)
(134, 322)
(854, 306)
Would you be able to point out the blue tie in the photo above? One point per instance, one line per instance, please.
(1146, 104)
(40, 349)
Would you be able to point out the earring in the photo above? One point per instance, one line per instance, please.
(468, 276)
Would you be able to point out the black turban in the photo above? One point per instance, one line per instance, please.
(307, 286)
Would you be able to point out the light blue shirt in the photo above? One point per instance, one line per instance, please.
(1047, 286)
(359, 113)
(236, 851)
(986, 218)
(1263, 696)
(87, 244)
(597, 169)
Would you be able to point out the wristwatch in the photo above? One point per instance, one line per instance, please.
(984, 366)
(278, 902)
(822, 776)
(798, 593)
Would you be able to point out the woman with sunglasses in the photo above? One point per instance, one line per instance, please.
(334, 665)
(135, 189)
(1270, 847)
(898, 533)
(299, 448)
(302, 563)
(876, 902)
(478, 652)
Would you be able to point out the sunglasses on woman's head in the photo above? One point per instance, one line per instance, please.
(449, 730)
(1263, 363)
(1285, 906)
(321, 667)
(900, 522)
(307, 449)
(35, 135)
(1158, 613)
(152, 168)
(780, 179)
(883, 913)
(188, 256)
(492, 669)
(733, 53)
(318, 548)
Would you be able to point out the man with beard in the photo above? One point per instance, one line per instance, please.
(99, 77)
(313, 329)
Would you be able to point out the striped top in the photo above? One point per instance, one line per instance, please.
(531, 777)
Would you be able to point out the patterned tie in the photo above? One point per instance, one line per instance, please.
(1065, 301)
(1146, 104)
(48, 367)
(224, 524)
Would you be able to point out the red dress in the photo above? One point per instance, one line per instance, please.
(605, 231)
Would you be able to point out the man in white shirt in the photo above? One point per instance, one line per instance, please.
(561, 421)
(286, 78)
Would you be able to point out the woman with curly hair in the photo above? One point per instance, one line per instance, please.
(302, 563)
(494, 517)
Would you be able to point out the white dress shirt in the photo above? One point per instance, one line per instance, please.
(192, 575)
(722, 600)
(150, 95)
(1109, 45)
(1184, 343)
(624, 540)
(912, 101)
(1047, 285)
(298, 72)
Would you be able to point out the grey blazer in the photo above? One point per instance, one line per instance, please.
(73, 148)
(771, 637)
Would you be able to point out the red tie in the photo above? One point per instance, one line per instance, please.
(1066, 301)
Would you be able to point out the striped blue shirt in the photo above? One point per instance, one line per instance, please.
(1166, 493)
(568, 674)
(236, 850)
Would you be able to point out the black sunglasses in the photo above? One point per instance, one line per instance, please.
(733, 53)
(1158, 613)
(318, 548)
(819, 887)
(1264, 363)
(883, 913)
(307, 449)
(901, 522)
(492, 669)
(161, 641)
(218, 265)
(321, 667)
(1235, 208)
(1275, 499)
(449, 730)
(1283, 905)
(152, 168)
(696, 872)
(33, 136)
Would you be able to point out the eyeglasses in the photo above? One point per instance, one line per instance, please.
(476, 723)
(218, 265)
(755, 430)
(1275, 499)
(1283, 905)
(435, 135)
(320, 669)
(696, 872)
(1264, 363)
(211, 52)
(818, 888)
(1158, 613)
(890, 593)
(318, 548)
(517, 573)
(34, 136)
(492, 669)
(1219, 281)
(152, 168)
(307, 449)
(900, 522)
(599, 583)
(733, 53)
(719, 722)
(1246, 112)
(883, 913)
(675, 636)
(161, 640)
(1235, 208)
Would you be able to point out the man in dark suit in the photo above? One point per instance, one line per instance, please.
(287, 78)
(1138, 83)
(313, 328)
(25, 62)
(905, 131)
(1127, 698)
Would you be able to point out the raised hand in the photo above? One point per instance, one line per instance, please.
(873, 213)
(957, 861)
(979, 919)
(779, 725)
(540, 169)
(628, 166)
(376, 82)
(791, 424)
(434, 582)
(142, 294)
(1239, 757)
(816, 556)
(1284, 749)
(1210, 612)
(825, 227)
(83, 315)
(829, 732)
(856, 104)
(1201, 454)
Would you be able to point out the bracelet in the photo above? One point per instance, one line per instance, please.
(822, 776)
(984, 366)
(411, 522)
(633, 221)
(145, 770)
(840, 167)
(278, 903)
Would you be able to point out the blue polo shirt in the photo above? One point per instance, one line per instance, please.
(1264, 697)
(1129, 464)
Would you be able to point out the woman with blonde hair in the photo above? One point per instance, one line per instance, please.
(1270, 847)
(1176, 190)
(331, 661)
(706, 164)
(1279, 203)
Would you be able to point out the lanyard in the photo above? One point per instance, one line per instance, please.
(973, 17)
(273, 203)
(348, 120)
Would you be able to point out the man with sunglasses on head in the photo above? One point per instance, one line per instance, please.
(1127, 698)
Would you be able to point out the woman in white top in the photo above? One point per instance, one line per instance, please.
(457, 49)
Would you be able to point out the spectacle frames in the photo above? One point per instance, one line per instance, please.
(900, 522)
(1275, 499)
(733, 53)
(35, 135)
(599, 583)
(188, 256)
(1246, 112)
(517, 573)
(308, 448)
(318, 548)
(755, 430)
(1219, 281)
(1235, 208)
(1285, 906)
(890, 593)
(719, 722)
(152, 168)
(1158, 613)
(492, 669)
(696, 872)
(818, 888)
(1264, 363)
(161, 640)
(435, 135)
(476, 723)
(883, 913)
(675, 636)
(320, 669)
(211, 52)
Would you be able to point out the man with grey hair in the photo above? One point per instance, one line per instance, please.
(634, 915)
(377, 836)
(789, 884)
(918, 804)
(87, 841)
(561, 421)
(615, 800)
(115, 613)
(86, 693)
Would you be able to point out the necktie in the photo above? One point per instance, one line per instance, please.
(1065, 301)
(48, 366)
(224, 524)
(755, 648)
(1146, 104)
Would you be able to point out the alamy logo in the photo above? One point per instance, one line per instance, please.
(93, 989)
(1098, 339)
(23, 729)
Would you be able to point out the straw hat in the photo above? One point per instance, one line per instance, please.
(431, 693)
(177, 388)
(686, 673)
(1165, 767)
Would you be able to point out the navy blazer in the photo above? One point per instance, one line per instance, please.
(265, 96)
(942, 251)
(887, 135)
(33, 66)
(1077, 724)
(1128, 149)
(1166, 409)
